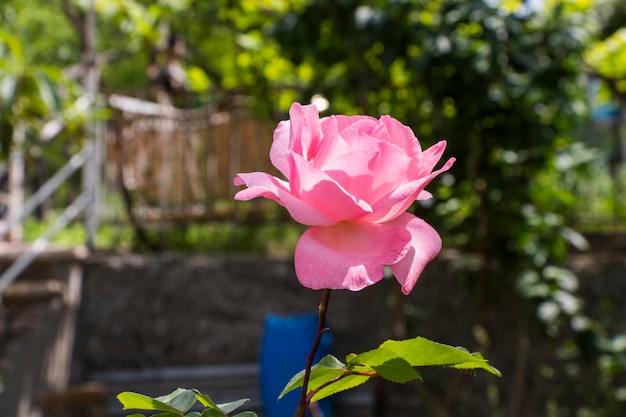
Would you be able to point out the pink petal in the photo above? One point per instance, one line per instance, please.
(348, 255)
(305, 131)
(332, 144)
(261, 184)
(431, 156)
(424, 195)
(321, 191)
(401, 135)
(347, 121)
(279, 152)
(370, 170)
(399, 200)
(425, 246)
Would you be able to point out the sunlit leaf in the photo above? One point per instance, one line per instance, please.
(228, 408)
(397, 370)
(205, 399)
(181, 399)
(326, 369)
(387, 364)
(423, 352)
(133, 400)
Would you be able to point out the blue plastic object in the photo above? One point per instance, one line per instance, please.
(286, 343)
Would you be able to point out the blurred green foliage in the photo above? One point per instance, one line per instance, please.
(266, 238)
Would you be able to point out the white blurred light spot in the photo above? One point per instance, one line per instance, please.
(320, 102)
(82, 104)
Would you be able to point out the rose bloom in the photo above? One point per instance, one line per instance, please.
(351, 178)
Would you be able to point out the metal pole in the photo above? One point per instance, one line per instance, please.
(16, 183)
(91, 173)
(47, 189)
(42, 243)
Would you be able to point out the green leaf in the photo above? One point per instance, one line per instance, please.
(205, 400)
(397, 370)
(133, 400)
(228, 408)
(181, 399)
(167, 414)
(387, 364)
(327, 368)
(246, 414)
(371, 358)
(345, 383)
(193, 414)
(213, 412)
(330, 362)
(423, 352)
(136, 415)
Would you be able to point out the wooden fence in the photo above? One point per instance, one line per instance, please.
(175, 164)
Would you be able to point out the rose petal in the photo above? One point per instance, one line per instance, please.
(261, 184)
(279, 152)
(347, 121)
(320, 190)
(401, 135)
(424, 195)
(430, 157)
(305, 131)
(425, 246)
(392, 205)
(348, 255)
(332, 144)
(370, 170)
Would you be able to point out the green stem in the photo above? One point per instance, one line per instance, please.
(321, 328)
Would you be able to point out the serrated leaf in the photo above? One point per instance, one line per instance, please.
(181, 399)
(205, 400)
(330, 362)
(213, 412)
(397, 370)
(316, 379)
(343, 380)
(319, 370)
(372, 357)
(136, 401)
(423, 352)
(387, 364)
(246, 414)
(168, 397)
(345, 383)
(228, 408)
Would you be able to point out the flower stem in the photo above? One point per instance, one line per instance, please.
(304, 400)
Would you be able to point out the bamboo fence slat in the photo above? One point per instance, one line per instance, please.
(179, 163)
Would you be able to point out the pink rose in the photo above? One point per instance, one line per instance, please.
(351, 178)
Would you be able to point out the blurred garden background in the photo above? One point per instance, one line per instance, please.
(167, 100)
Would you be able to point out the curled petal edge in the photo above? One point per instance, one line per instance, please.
(425, 246)
(261, 184)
